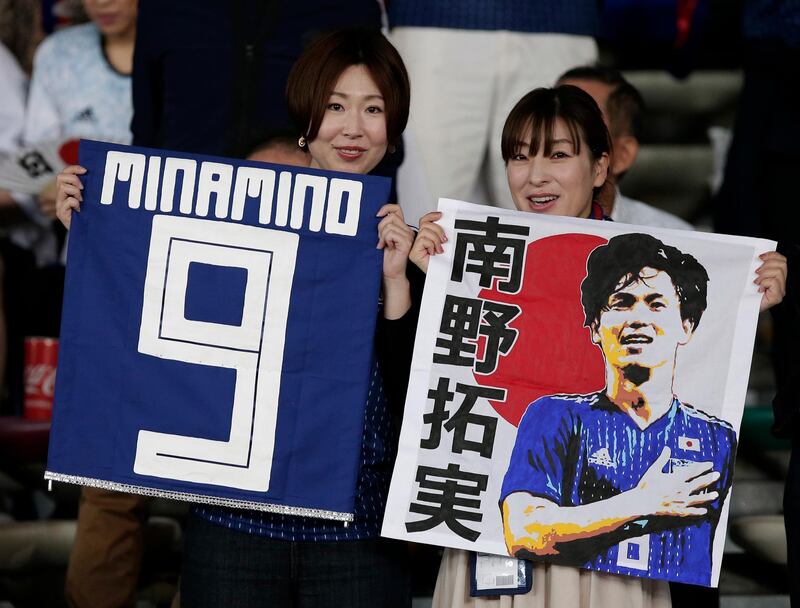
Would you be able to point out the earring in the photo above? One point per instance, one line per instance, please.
(301, 141)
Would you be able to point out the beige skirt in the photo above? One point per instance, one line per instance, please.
(553, 587)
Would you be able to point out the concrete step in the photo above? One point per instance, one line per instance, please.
(676, 159)
(680, 111)
(671, 177)
(756, 498)
(703, 92)
(762, 536)
(754, 601)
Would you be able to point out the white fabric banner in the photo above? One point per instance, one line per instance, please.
(576, 393)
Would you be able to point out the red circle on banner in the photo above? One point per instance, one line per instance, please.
(554, 352)
(68, 151)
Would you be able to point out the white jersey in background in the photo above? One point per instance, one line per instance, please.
(75, 92)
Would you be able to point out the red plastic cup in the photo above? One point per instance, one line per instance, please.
(41, 358)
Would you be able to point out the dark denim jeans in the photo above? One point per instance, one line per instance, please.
(224, 567)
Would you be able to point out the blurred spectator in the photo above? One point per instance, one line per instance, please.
(3, 333)
(20, 33)
(469, 62)
(210, 73)
(57, 14)
(24, 241)
(659, 34)
(12, 116)
(81, 84)
(12, 107)
(81, 87)
(758, 198)
(21, 30)
(623, 107)
(106, 557)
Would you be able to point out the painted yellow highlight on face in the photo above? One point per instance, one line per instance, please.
(616, 353)
(641, 323)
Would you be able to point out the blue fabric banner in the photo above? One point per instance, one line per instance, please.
(217, 333)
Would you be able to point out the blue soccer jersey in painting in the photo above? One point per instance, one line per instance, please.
(580, 449)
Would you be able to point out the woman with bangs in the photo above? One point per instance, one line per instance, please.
(556, 149)
(348, 95)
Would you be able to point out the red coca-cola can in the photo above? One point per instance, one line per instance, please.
(41, 358)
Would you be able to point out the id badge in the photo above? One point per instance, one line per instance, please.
(499, 575)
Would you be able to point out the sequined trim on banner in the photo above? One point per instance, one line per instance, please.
(201, 498)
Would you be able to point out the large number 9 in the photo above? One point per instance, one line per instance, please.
(254, 348)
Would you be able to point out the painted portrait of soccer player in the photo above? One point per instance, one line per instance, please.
(629, 479)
